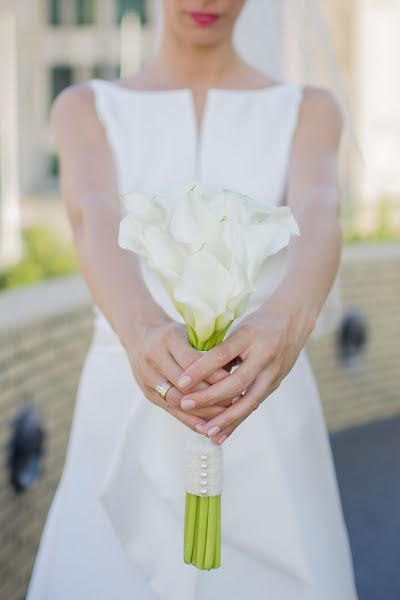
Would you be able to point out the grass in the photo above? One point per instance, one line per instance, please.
(384, 231)
(44, 257)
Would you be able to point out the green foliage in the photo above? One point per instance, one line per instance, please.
(384, 230)
(44, 257)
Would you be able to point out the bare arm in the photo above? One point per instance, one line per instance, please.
(270, 339)
(156, 345)
(312, 194)
(89, 189)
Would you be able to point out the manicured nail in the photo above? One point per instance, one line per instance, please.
(213, 430)
(188, 404)
(184, 381)
(199, 427)
(223, 438)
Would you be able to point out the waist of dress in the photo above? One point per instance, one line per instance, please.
(104, 335)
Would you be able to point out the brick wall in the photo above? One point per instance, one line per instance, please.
(40, 363)
(369, 390)
(44, 335)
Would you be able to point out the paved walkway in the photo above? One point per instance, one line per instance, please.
(367, 461)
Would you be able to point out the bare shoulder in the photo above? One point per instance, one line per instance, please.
(321, 113)
(72, 111)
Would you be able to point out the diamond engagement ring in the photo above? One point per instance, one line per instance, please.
(163, 388)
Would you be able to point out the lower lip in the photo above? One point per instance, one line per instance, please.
(203, 18)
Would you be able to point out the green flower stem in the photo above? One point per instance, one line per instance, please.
(212, 524)
(196, 532)
(202, 537)
(192, 337)
(217, 556)
(202, 534)
(187, 502)
(190, 522)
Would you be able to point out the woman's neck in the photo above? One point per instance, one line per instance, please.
(182, 64)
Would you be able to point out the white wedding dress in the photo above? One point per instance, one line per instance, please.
(115, 527)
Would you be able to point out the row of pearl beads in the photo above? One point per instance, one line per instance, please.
(203, 468)
(203, 474)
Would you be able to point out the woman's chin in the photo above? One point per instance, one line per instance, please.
(203, 37)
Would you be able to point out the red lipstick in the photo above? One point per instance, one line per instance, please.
(203, 18)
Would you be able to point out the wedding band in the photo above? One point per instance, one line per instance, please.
(163, 387)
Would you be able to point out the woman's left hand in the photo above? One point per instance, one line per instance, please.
(268, 343)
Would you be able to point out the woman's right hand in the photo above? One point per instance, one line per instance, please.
(161, 351)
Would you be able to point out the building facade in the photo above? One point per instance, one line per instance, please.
(60, 42)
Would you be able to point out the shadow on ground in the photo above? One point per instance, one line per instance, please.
(367, 461)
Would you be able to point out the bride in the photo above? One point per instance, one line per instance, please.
(198, 111)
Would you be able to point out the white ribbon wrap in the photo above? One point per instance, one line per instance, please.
(204, 468)
(203, 471)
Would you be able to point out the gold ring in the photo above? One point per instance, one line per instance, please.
(163, 388)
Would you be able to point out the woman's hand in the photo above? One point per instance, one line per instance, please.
(161, 351)
(268, 343)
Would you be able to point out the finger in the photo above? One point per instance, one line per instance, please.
(174, 395)
(189, 420)
(240, 410)
(185, 356)
(214, 359)
(169, 368)
(171, 371)
(208, 413)
(220, 438)
(174, 398)
(232, 386)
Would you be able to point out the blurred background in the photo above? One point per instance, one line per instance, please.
(45, 309)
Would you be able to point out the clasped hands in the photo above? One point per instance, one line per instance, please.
(205, 396)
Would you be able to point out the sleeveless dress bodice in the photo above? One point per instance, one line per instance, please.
(243, 144)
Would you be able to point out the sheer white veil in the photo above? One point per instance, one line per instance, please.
(289, 40)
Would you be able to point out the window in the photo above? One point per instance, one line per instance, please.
(138, 6)
(84, 12)
(71, 12)
(54, 12)
(61, 77)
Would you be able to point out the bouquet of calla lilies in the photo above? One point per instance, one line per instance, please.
(207, 250)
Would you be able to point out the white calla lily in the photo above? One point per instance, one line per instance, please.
(192, 222)
(163, 254)
(205, 287)
(143, 208)
(207, 250)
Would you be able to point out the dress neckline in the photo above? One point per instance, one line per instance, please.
(213, 96)
(210, 90)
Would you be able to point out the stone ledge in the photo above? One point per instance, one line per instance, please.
(371, 251)
(30, 303)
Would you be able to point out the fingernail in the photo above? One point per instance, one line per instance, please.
(184, 381)
(199, 427)
(223, 438)
(188, 404)
(213, 430)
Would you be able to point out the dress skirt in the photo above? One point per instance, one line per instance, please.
(115, 526)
